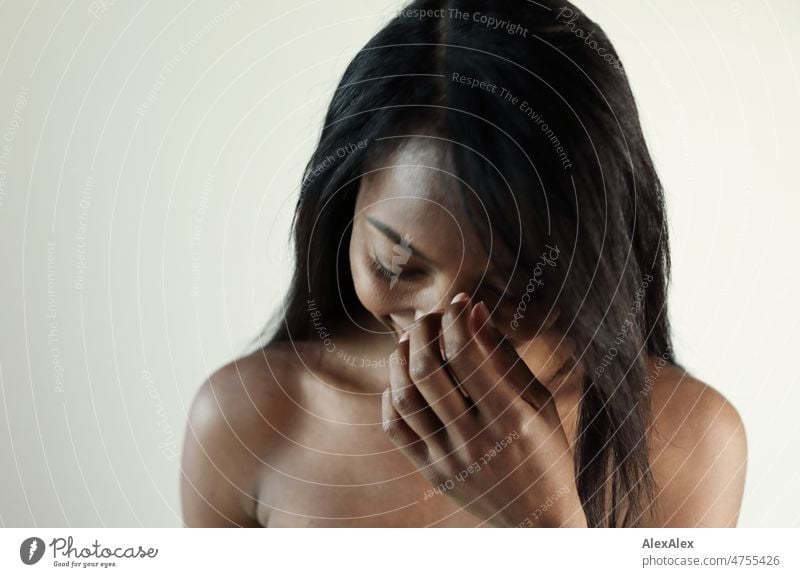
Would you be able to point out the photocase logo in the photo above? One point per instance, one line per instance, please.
(400, 255)
(31, 550)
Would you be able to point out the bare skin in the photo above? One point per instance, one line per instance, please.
(302, 434)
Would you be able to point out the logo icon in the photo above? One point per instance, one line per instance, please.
(400, 255)
(31, 550)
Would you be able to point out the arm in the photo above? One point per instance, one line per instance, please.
(699, 458)
(217, 467)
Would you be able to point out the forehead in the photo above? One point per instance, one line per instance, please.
(415, 192)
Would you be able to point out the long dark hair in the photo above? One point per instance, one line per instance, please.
(533, 108)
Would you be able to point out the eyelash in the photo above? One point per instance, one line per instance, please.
(384, 273)
(381, 270)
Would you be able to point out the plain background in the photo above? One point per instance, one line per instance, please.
(150, 154)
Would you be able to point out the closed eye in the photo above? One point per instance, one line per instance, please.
(400, 273)
(380, 270)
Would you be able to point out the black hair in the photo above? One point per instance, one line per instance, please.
(534, 109)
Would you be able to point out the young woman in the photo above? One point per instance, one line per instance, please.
(476, 333)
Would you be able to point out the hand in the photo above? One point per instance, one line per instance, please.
(500, 452)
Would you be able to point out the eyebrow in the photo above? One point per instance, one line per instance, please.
(395, 236)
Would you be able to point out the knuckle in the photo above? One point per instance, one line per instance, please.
(393, 429)
(517, 416)
(394, 359)
(421, 368)
(454, 347)
(529, 428)
(403, 402)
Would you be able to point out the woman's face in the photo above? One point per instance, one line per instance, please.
(413, 249)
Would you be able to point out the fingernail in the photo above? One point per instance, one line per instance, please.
(421, 314)
(482, 323)
(484, 312)
(460, 298)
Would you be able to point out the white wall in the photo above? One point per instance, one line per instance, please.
(149, 157)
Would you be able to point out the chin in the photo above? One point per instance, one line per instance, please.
(386, 321)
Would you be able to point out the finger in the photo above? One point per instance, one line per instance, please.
(401, 434)
(516, 378)
(427, 370)
(409, 402)
(467, 362)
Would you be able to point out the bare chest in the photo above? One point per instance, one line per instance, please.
(337, 468)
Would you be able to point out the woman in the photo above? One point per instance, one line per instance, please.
(476, 333)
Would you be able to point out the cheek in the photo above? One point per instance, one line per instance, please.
(370, 290)
(367, 291)
(364, 282)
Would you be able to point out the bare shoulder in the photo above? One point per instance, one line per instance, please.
(698, 451)
(238, 417)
